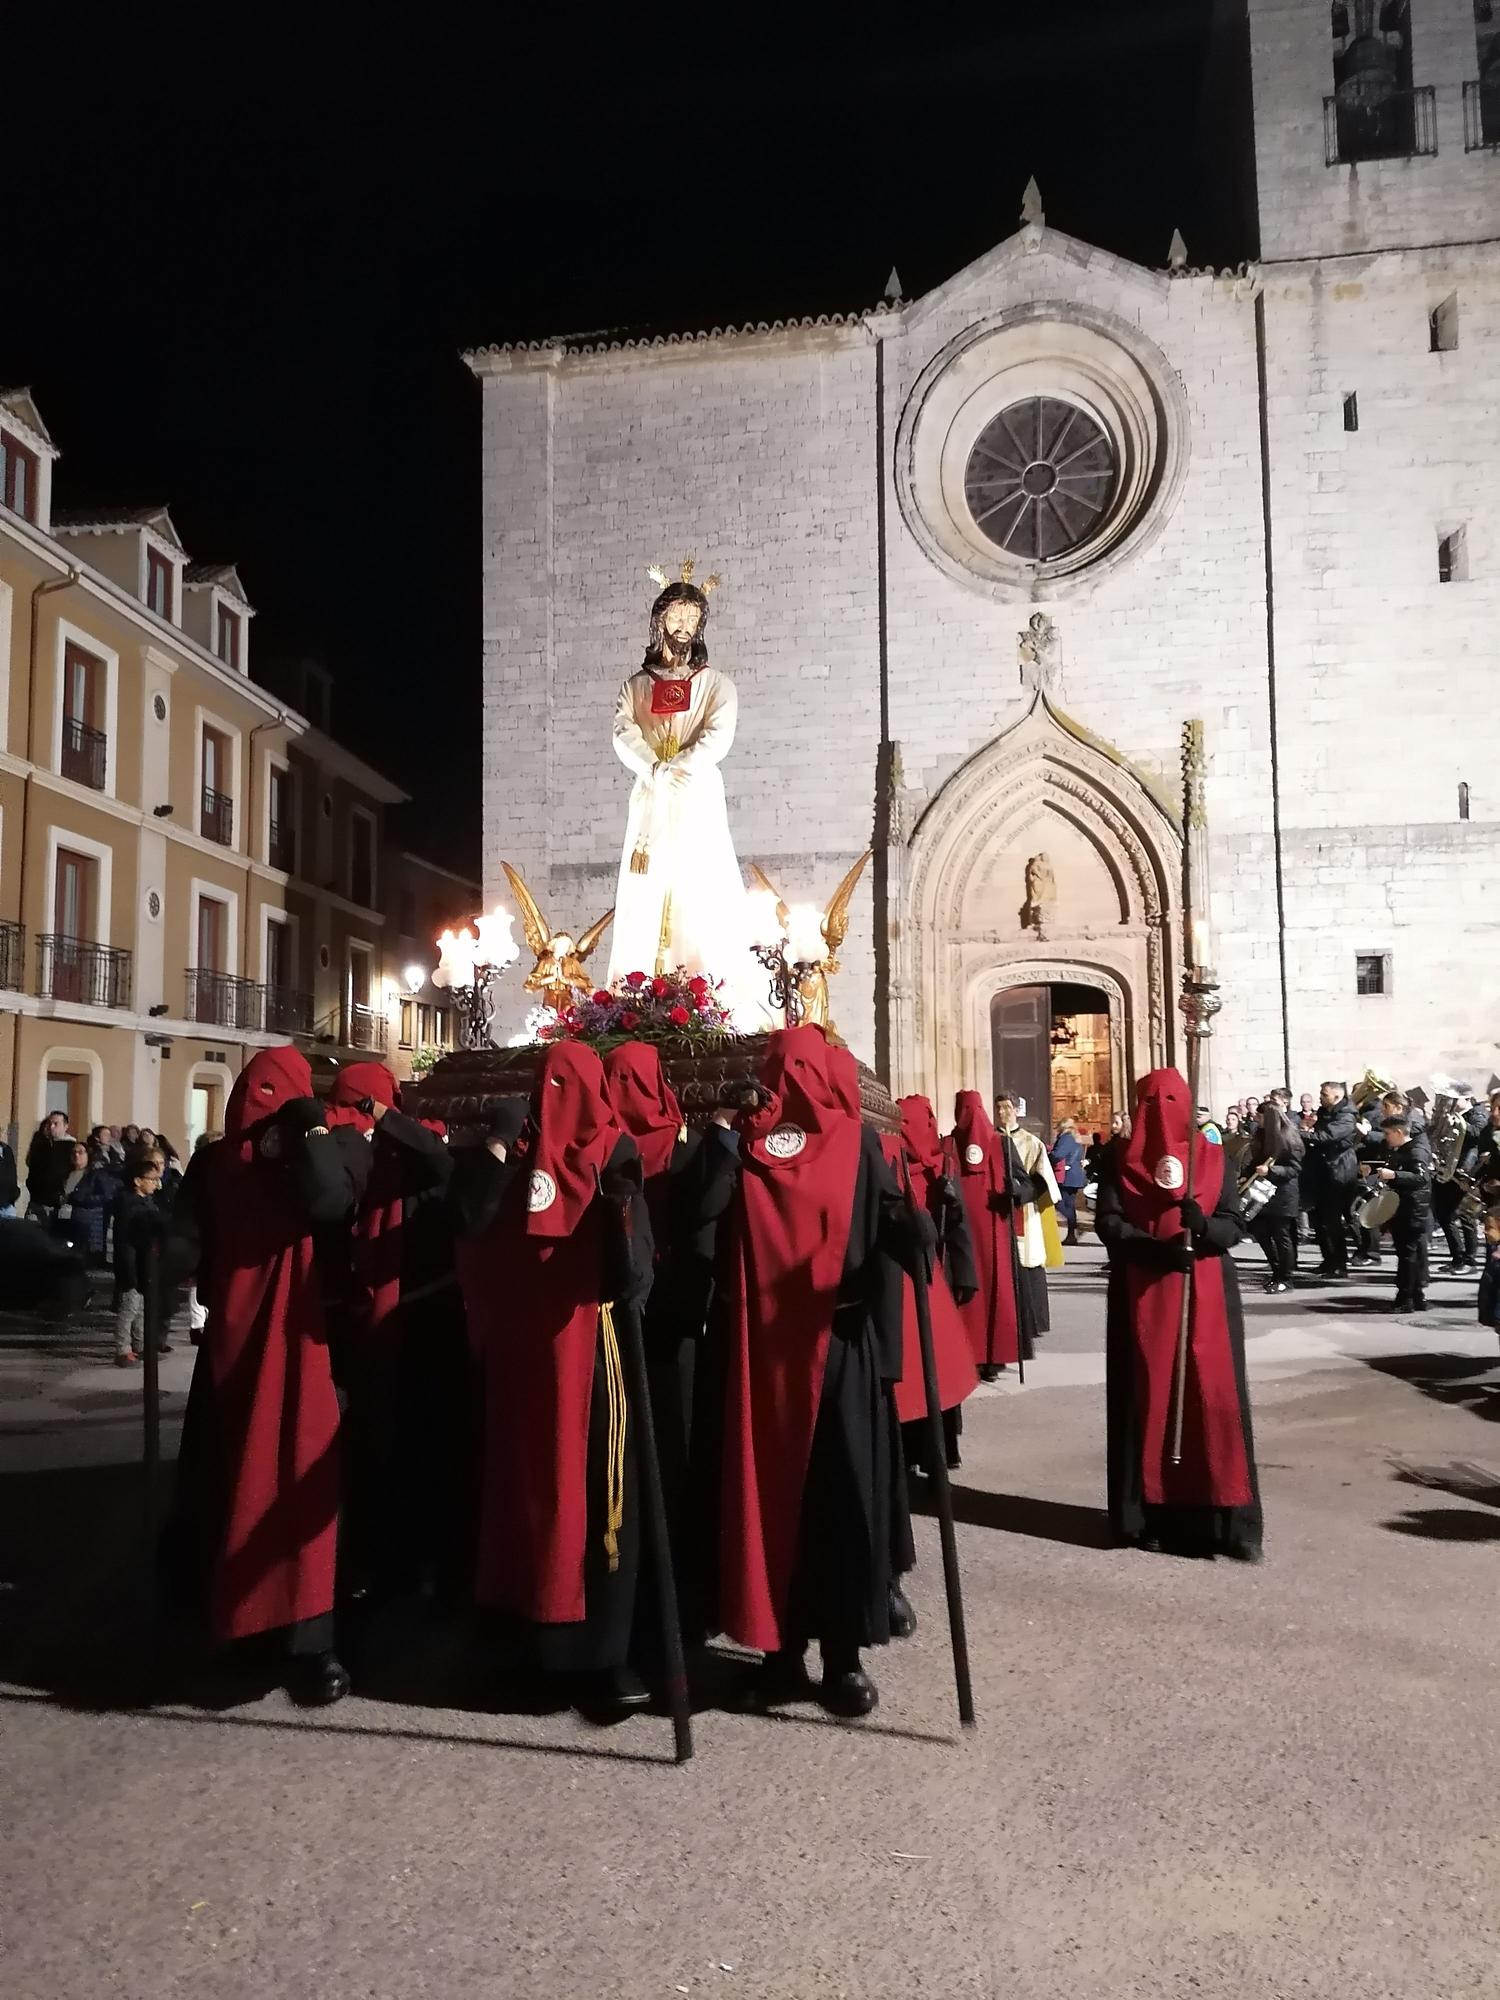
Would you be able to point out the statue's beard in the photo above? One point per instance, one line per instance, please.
(677, 650)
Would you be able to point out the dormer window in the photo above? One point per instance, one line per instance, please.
(159, 594)
(18, 477)
(227, 636)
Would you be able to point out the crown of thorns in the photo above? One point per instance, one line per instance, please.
(660, 578)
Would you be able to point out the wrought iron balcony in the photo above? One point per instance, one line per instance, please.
(1482, 115)
(85, 753)
(363, 1028)
(92, 975)
(12, 956)
(281, 847)
(1395, 125)
(216, 820)
(223, 1000)
(287, 1012)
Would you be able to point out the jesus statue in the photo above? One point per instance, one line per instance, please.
(680, 900)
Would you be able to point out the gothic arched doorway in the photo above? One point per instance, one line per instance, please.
(1052, 1044)
(1045, 861)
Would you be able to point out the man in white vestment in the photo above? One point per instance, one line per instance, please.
(680, 900)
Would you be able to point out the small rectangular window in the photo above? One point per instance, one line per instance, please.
(408, 1028)
(158, 583)
(1351, 412)
(1463, 800)
(361, 859)
(227, 636)
(17, 477)
(1372, 972)
(1453, 557)
(1442, 325)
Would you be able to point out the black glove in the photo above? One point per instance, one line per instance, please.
(1194, 1221)
(999, 1204)
(1180, 1255)
(301, 1116)
(964, 1295)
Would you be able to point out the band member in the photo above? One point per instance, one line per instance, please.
(1407, 1167)
(1453, 1179)
(1209, 1503)
(1489, 1277)
(985, 1169)
(808, 1300)
(1276, 1156)
(398, 1339)
(556, 1241)
(1038, 1243)
(954, 1282)
(1487, 1155)
(1331, 1174)
(254, 1531)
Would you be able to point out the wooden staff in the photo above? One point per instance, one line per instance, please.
(937, 1472)
(633, 1348)
(1184, 1323)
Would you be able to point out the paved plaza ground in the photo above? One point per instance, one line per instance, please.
(1188, 1779)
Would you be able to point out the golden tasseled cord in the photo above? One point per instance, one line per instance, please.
(614, 1384)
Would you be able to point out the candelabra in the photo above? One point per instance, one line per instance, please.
(467, 961)
(787, 977)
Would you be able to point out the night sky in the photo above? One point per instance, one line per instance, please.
(254, 241)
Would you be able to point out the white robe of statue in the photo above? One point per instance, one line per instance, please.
(688, 908)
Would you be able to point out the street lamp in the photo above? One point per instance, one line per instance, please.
(415, 977)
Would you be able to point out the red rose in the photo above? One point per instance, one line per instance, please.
(545, 1034)
(678, 1017)
(629, 1020)
(635, 979)
(698, 984)
(602, 999)
(660, 986)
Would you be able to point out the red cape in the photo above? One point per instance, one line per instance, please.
(533, 1303)
(790, 1230)
(976, 1157)
(377, 1227)
(1215, 1468)
(277, 1412)
(957, 1376)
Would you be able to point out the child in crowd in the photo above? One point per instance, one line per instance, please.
(139, 1224)
(1489, 1276)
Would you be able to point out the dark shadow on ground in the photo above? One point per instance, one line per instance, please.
(1459, 1380)
(1447, 1524)
(1020, 1514)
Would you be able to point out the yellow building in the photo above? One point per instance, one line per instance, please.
(189, 868)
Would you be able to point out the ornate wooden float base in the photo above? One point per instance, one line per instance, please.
(466, 1087)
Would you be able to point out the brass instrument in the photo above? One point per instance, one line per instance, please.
(1447, 1133)
(1370, 1089)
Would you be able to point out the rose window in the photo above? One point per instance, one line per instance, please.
(1039, 477)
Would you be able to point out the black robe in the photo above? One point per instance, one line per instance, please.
(603, 1638)
(955, 1254)
(1181, 1530)
(855, 1530)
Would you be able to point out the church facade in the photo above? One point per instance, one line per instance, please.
(986, 553)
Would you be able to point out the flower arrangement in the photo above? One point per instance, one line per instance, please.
(671, 1007)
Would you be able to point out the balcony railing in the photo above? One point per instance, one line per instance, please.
(222, 1000)
(363, 1028)
(1398, 125)
(281, 848)
(85, 753)
(12, 956)
(93, 975)
(1482, 116)
(216, 820)
(288, 1012)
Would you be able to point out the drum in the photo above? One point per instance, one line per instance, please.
(1375, 1207)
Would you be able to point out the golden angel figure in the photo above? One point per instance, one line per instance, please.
(558, 975)
(812, 984)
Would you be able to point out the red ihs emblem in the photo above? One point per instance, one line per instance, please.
(670, 697)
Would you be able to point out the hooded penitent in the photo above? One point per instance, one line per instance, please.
(1153, 1182)
(925, 1171)
(533, 1288)
(276, 1411)
(978, 1158)
(800, 1160)
(644, 1104)
(377, 1227)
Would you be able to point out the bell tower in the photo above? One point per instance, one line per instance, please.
(1370, 124)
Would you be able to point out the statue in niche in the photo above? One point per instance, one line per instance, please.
(1041, 894)
(1037, 650)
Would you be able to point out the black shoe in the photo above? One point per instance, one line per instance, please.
(1463, 1270)
(1419, 1305)
(781, 1677)
(611, 1693)
(1362, 1261)
(162, 1347)
(1401, 1305)
(903, 1617)
(1245, 1552)
(318, 1680)
(991, 1371)
(847, 1689)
